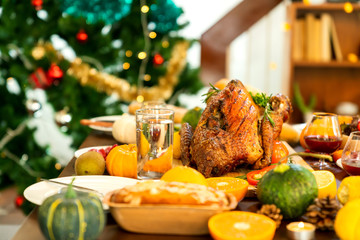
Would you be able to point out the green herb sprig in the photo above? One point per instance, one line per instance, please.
(262, 100)
(210, 93)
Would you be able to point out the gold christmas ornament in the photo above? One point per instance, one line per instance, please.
(46, 49)
(38, 52)
(110, 84)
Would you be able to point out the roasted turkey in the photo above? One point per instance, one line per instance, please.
(232, 132)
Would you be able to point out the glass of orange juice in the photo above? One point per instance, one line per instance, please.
(154, 140)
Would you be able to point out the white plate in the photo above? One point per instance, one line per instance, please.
(84, 150)
(112, 118)
(38, 192)
(338, 162)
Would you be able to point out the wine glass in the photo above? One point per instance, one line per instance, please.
(350, 158)
(323, 135)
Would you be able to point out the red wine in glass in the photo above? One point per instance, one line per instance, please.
(323, 144)
(351, 163)
(351, 166)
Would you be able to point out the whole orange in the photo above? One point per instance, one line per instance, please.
(221, 84)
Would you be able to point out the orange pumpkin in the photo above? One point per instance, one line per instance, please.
(122, 161)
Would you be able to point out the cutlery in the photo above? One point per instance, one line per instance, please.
(74, 186)
(88, 122)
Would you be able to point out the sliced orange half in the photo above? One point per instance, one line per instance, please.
(236, 186)
(241, 225)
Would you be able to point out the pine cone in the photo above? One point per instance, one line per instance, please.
(322, 213)
(272, 212)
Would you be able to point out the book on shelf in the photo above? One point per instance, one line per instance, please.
(310, 45)
(313, 35)
(299, 39)
(335, 42)
(325, 39)
(315, 39)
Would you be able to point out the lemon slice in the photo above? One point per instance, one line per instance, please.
(326, 183)
(349, 189)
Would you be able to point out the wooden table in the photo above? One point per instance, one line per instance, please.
(30, 228)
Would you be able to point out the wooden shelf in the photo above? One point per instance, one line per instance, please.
(324, 7)
(332, 81)
(332, 64)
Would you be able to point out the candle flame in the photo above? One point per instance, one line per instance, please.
(301, 225)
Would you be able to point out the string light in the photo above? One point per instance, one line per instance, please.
(165, 44)
(128, 53)
(142, 55)
(126, 65)
(273, 66)
(286, 26)
(352, 57)
(152, 35)
(145, 9)
(57, 166)
(140, 98)
(38, 52)
(348, 7)
(147, 77)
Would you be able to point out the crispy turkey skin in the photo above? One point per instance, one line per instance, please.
(230, 133)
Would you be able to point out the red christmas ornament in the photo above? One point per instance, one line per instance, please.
(38, 79)
(158, 59)
(19, 200)
(37, 4)
(55, 73)
(82, 36)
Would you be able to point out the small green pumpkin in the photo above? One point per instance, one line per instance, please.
(72, 215)
(192, 116)
(291, 187)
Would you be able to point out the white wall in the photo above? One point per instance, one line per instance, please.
(256, 57)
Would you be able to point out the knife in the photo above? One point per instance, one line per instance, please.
(74, 186)
(88, 122)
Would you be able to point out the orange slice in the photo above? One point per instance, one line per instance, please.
(349, 189)
(184, 174)
(162, 163)
(326, 183)
(337, 154)
(236, 186)
(177, 152)
(241, 225)
(144, 145)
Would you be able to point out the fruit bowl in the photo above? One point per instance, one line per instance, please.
(165, 219)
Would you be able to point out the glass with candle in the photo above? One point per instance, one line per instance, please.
(300, 231)
(154, 139)
(350, 158)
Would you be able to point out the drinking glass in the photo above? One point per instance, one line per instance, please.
(323, 135)
(350, 158)
(154, 139)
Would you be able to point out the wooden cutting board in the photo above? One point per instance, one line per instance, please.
(252, 190)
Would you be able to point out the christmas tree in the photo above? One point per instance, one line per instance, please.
(90, 58)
